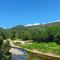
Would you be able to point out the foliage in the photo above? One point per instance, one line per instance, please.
(44, 47)
(4, 49)
(39, 33)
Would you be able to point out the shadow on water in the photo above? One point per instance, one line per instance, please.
(18, 57)
(35, 56)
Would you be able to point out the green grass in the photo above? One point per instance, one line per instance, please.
(44, 47)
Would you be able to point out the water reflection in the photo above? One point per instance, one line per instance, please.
(29, 55)
(18, 57)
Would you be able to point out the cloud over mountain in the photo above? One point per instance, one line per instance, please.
(33, 24)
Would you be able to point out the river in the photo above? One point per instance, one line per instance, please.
(20, 54)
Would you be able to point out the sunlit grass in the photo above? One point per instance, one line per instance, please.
(43, 47)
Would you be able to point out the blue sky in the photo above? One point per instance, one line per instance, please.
(23, 12)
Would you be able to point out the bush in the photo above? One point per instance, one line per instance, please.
(57, 39)
(1, 40)
(4, 50)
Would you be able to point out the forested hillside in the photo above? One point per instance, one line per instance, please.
(38, 33)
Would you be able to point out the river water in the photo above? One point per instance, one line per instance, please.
(21, 54)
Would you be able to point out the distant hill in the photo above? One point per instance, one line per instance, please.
(54, 24)
(44, 25)
(20, 31)
(35, 27)
(2, 29)
(18, 27)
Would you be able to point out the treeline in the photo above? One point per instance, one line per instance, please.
(44, 33)
(47, 34)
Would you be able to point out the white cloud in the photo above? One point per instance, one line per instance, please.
(36, 24)
(39, 23)
(43, 23)
(55, 21)
(32, 24)
(29, 25)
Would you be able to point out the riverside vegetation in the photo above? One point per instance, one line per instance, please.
(49, 48)
(46, 38)
(4, 49)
